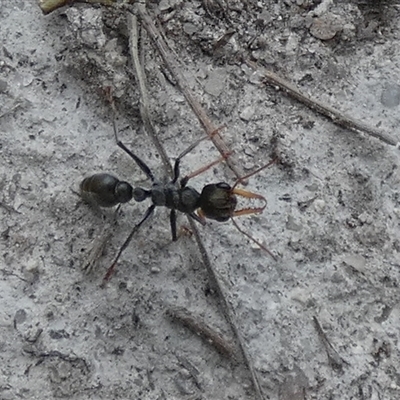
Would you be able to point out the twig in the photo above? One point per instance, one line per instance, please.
(198, 326)
(334, 115)
(144, 98)
(172, 66)
(227, 309)
(48, 6)
(193, 371)
(78, 361)
(333, 356)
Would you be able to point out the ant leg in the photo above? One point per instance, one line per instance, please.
(197, 142)
(172, 219)
(176, 170)
(110, 270)
(188, 150)
(252, 239)
(205, 168)
(141, 164)
(199, 218)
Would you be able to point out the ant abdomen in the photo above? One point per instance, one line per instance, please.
(105, 190)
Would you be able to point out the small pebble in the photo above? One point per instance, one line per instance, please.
(247, 113)
(291, 224)
(355, 261)
(324, 28)
(190, 28)
(215, 83)
(20, 316)
(365, 218)
(319, 205)
(32, 266)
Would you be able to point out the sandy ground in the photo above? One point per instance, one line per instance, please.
(332, 216)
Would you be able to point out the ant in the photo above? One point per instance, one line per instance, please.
(216, 201)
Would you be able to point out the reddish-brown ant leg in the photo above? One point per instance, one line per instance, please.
(206, 167)
(201, 215)
(108, 274)
(197, 142)
(199, 171)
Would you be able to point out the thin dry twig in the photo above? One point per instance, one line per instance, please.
(48, 6)
(58, 355)
(198, 326)
(166, 54)
(216, 139)
(227, 309)
(334, 115)
(333, 356)
(213, 276)
(193, 371)
(144, 98)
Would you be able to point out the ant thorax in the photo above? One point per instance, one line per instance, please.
(175, 197)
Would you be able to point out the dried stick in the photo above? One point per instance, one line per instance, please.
(48, 6)
(209, 128)
(193, 371)
(198, 326)
(227, 309)
(213, 276)
(334, 115)
(144, 98)
(166, 54)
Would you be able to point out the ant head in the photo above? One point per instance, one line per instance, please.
(140, 194)
(217, 201)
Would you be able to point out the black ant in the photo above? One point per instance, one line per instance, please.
(216, 201)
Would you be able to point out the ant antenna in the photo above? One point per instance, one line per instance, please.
(243, 178)
(252, 239)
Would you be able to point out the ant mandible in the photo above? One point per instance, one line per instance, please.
(216, 201)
